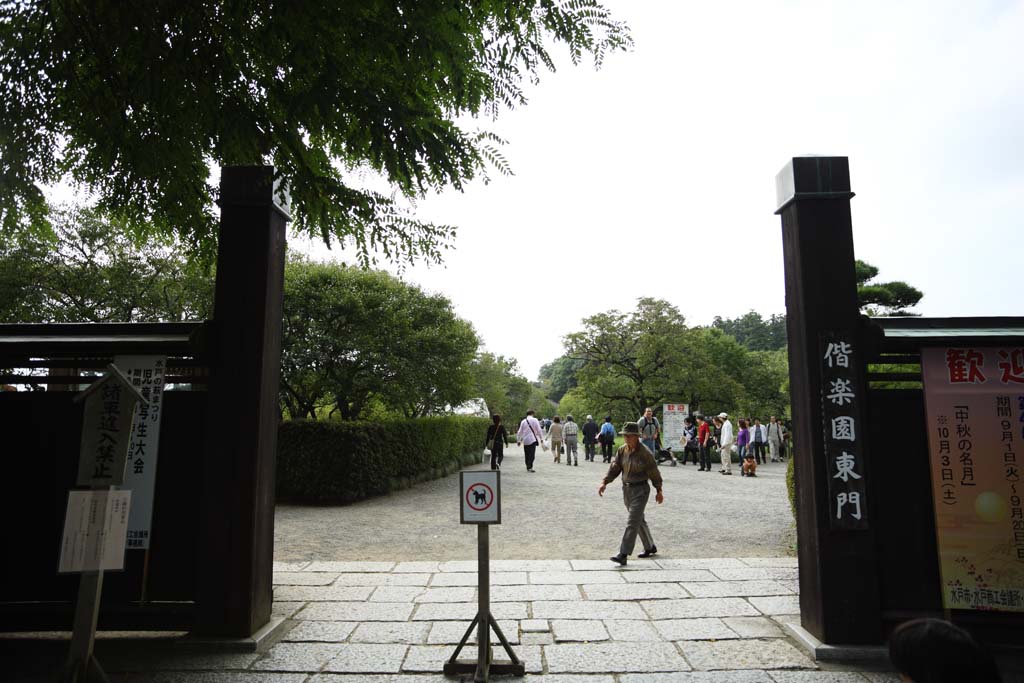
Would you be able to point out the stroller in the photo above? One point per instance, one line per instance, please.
(664, 454)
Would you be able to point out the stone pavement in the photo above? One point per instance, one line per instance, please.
(571, 621)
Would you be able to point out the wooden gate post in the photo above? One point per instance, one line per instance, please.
(839, 594)
(236, 547)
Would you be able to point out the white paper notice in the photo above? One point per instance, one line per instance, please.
(95, 528)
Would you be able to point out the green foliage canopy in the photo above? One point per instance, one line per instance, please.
(884, 298)
(136, 101)
(755, 332)
(88, 269)
(352, 337)
(499, 382)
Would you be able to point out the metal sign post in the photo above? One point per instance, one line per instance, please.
(480, 504)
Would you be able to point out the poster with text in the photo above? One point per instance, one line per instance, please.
(672, 416)
(975, 413)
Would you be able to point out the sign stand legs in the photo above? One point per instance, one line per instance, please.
(484, 621)
(82, 666)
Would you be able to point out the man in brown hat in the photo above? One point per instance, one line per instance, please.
(638, 467)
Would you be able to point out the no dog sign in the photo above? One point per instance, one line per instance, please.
(480, 496)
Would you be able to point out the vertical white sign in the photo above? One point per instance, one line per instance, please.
(480, 496)
(672, 416)
(94, 531)
(146, 374)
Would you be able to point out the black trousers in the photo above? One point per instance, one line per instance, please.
(758, 448)
(607, 452)
(530, 452)
(705, 457)
(691, 452)
(497, 455)
(589, 450)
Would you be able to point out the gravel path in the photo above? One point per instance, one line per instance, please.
(554, 513)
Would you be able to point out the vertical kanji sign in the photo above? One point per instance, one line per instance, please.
(146, 374)
(974, 397)
(841, 401)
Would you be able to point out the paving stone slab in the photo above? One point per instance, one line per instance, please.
(744, 654)
(355, 611)
(699, 607)
(431, 658)
(535, 625)
(321, 593)
(568, 678)
(509, 566)
(588, 609)
(705, 628)
(449, 594)
(451, 632)
(756, 573)
(530, 593)
(816, 677)
(669, 576)
(635, 591)
(285, 610)
(754, 627)
(791, 584)
(459, 611)
(297, 657)
(205, 677)
(614, 658)
(632, 630)
(321, 631)
(397, 593)
(361, 658)
(576, 577)
(304, 578)
(408, 632)
(699, 677)
(701, 563)
(379, 678)
(599, 565)
(537, 638)
(770, 561)
(721, 589)
(417, 567)
(142, 661)
(578, 630)
(289, 566)
(344, 567)
(782, 604)
(882, 677)
(382, 579)
(473, 579)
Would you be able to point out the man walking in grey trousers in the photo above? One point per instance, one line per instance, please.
(638, 467)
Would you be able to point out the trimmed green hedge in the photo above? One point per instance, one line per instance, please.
(342, 462)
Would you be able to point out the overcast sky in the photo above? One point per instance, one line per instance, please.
(655, 175)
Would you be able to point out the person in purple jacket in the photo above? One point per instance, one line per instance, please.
(747, 464)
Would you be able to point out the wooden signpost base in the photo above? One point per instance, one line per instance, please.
(484, 665)
(82, 666)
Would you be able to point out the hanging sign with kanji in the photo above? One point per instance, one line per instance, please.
(110, 404)
(974, 400)
(480, 496)
(841, 406)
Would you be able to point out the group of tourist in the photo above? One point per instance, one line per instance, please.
(561, 438)
(754, 443)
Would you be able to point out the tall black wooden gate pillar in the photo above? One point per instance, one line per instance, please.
(839, 595)
(237, 543)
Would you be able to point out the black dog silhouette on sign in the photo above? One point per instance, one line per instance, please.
(479, 497)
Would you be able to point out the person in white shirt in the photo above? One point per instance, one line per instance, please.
(529, 436)
(725, 443)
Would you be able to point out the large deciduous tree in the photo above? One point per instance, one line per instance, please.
(499, 382)
(354, 339)
(137, 101)
(88, 269)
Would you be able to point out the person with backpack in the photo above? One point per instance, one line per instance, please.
(650, 430)
(570, 435)
(689, 440)
(607, 438)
